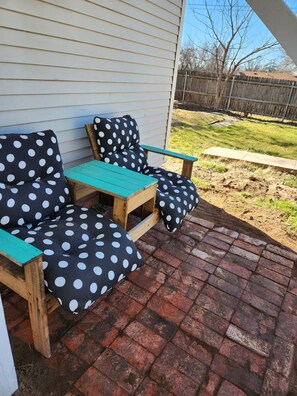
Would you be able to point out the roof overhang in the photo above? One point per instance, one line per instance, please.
(281, 22)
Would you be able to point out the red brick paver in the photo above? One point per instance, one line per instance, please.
(213, 312)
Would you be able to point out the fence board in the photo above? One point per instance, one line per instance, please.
(263, 96)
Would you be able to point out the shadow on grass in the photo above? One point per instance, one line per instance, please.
(259, 118)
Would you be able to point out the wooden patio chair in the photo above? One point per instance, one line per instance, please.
(45, 240)
(116, 141)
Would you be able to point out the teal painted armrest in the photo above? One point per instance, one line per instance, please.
(169, 153)
(17, 250)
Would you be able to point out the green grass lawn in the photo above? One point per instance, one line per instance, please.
(192, 132)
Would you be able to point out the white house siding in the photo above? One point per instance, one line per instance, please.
(62, 62)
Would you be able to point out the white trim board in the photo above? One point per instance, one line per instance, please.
(8, 379)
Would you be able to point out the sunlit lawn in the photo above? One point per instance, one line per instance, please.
(192, 131)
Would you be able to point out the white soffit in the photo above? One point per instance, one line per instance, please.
(281, 22)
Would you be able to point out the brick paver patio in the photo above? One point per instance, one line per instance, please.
(213, 312)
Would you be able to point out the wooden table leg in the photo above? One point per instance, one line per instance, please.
(120, 214)
(149, 206)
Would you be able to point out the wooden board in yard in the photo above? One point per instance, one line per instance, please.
(263, 159)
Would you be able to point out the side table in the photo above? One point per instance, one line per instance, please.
(129, 189)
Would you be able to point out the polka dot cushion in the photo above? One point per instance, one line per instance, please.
(32, 185)
(84, 254)
(176, 196)
(118, 141)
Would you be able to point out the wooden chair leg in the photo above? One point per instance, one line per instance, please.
(187, 169)
(37, 306)
(73, 192)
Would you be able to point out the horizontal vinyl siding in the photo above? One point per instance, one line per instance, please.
(63, 62)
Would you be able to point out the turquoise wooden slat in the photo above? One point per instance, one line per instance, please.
(114, 174)
(108, 178)
(169, 153)
(17, 250)
(111, 189)
(112, 179)
(146, 180)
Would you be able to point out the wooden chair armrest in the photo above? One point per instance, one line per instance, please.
(188, 160)
(168, 153)
(28, 282)
(16, 250)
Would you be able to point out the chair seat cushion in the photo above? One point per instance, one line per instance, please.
(176, 196)
(84, 254)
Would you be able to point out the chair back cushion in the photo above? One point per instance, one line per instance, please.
(118, 141)
(32, 183)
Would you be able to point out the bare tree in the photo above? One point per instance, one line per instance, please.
(254, 65)
(227, 24)
(188, 58)
(196, 59)
(286, 64)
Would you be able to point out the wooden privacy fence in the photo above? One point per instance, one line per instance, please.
(254, 95)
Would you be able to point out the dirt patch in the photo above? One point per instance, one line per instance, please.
(244, 191)
(35, 377)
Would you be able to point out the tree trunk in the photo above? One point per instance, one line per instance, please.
(220, 91)
(218, 95)
(218, 102)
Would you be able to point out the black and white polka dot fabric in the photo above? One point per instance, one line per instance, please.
(84, 253)
(176, 196)
(32, 185)
(118, 141)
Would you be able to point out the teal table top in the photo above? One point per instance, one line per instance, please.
(112, 179)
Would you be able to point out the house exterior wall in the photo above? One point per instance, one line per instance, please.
(62, 62)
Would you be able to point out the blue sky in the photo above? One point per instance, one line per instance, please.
(195, 31)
